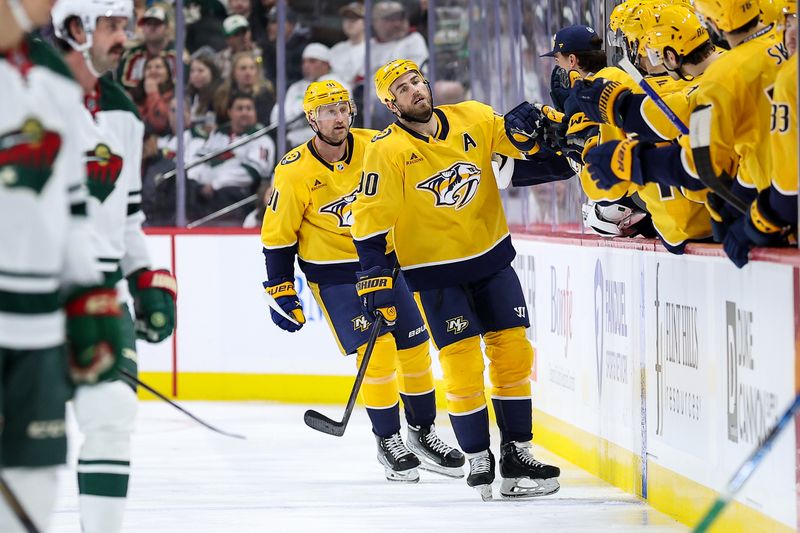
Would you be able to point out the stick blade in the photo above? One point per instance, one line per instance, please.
(322, 423)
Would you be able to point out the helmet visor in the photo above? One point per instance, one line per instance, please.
(335, 111)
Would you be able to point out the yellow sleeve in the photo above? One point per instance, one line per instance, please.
(658, 121)
(380, 194)
(285, 209)
(783, 133)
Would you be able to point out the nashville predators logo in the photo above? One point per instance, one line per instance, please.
(454, 187)
(103, 168)
(342, 209)
(456, 325)
(291, 157)
(27, 156)
(360, 323)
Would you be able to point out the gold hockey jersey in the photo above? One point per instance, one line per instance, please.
(439, 196)
(311, 208)
(783, 131)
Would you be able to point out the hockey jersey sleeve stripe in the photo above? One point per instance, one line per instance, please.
(28, 303)
(78, 209)
(134, 208)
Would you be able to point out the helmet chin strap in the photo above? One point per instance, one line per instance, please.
(85, 51)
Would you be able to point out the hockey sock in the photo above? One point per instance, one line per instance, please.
(472, 430)
(420, 409)
(35, 488)
(514, 419)
(385, 421)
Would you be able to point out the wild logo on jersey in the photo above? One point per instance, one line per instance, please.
(454, 187)
(342, 209)
(27, 156)
(103, 168)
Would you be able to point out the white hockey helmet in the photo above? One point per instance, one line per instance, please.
(614, 220)
(87, 11)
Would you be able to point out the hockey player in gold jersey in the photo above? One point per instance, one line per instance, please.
(309, 216)
(427, 184)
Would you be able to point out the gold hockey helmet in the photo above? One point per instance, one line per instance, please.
(676, 27)
(728, 15)
(388, 74)
(325, 92)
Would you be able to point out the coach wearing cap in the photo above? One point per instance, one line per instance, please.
(578, 48)
(154, 25)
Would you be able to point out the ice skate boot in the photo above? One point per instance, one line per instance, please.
(524, 476)
(398, 462)
(481, 473)
(434, 454)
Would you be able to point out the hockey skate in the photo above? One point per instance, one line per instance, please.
(481, 473)
(433, 453)
(524, 476)
(398, 462)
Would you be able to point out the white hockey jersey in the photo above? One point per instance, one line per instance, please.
(114, 133)
(44, 243)
(240, 167)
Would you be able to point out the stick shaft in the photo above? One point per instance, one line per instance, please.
(628, 67)
(16, 507)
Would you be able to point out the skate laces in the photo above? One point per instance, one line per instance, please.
(395, 446)
(480, 464)
(524, 454)
(436, 444)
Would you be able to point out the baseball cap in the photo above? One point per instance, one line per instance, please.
(154, 13)
(317, 51)
(385, 9)
(233, 24)
(352, 10)
(572, 39)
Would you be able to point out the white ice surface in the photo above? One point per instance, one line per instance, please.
(287, 477)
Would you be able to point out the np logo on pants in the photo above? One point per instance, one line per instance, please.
(457, 325)
(360, 323)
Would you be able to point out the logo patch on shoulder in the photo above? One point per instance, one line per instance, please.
(382, 135)
(291, 157)
(454, 187)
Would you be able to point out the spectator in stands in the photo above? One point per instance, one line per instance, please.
(204, 80)
(237, 173)
(297, 37)
(155, 42)
(246, 78)
(240, 7)
(393, 39)
(315, 66)
(238, 37)
(153, 94)
(347, 57)
(204, 24)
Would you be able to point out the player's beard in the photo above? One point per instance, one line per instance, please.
(328, 140)
(418, 115)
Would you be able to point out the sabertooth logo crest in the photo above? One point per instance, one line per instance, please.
(454, 187)
(342, 209)
(27, 156)
(103, 168)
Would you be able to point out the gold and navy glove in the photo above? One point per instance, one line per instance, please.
(282, 290)
(154, 293)
(600, 100)
(763, 225)
(94, 334)
(736, 244)
(522, 124)
(723, 215)
(613, 162)
(375, 289)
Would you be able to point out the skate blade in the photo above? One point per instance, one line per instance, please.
(454, 472)
(485, 492)
(405, 476)
(522, 487)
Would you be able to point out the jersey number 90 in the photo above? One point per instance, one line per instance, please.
(368, 185)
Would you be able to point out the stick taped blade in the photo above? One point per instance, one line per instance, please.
(322, 423)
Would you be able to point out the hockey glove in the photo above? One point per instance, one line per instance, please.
(375, 289)
(561, 80)
(94, 336)
(154, 293)
(722, 216)
(282, 290)
(522, 124)
(612, 162)
(764, 227)
(736, 244)
(601, 99)
(579, 130)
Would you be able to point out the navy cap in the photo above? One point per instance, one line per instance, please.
(574, 39)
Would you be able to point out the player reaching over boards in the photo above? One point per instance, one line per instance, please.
(427, 183)
(309, 216)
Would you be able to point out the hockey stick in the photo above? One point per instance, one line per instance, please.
(700, 142)
(16, 507)
(216, 153)
(278, 309)
(224, 211)
(320, 422)
(747, 468)
(629, 69)
(133, 380)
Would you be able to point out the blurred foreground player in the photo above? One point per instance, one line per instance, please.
(428, 184)
(309, 216)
